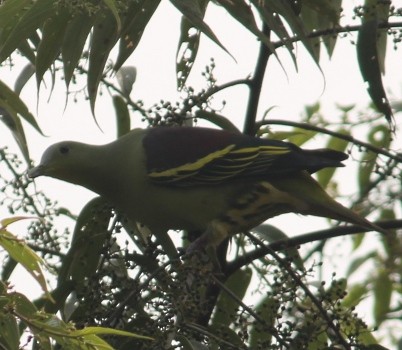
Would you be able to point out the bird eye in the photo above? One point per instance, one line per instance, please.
(64, 149)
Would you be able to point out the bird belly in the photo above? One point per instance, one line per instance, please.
(231, 208)
(259, 203)
(162, 208)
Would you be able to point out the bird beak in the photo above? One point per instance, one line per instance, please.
(36, 171)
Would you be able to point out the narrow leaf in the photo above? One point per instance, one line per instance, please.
(271, 234)
(10, 101)
(88, 239)
(287, 11)
(217, 119)
(104, 330)
(75, 37)
(122, 116)
(370, 68)
(10, 13)
(9, 332)
(261, 333)
(186, 51)
(382, 289)
(242, 12)
(137, 17)
(354, 295)
(192, 10)
(226, 305)
(379, 136)
(324, 176)
(27, 24)
(104, 37)
(111, 4)
(50, 44)
(274, 22)
(21, 253)
(26, 73)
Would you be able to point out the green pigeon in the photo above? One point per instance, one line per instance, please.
(192, 178)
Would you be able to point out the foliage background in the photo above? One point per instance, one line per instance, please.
(377, 178)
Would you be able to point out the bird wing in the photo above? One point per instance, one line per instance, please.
(199, 156)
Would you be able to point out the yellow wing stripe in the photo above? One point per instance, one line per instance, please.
(230, 163)
(192, 167)
(270, 150)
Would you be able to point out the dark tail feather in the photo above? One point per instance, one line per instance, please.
(310, 160)
(324, 158)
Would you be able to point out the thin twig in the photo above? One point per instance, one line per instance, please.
(303, 239)
(368, 146)
(285, 265)
(335, 31)
(248, 309)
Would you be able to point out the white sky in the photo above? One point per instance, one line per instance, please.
(155, 59)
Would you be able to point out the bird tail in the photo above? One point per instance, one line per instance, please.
(309, 160)
(317, 202)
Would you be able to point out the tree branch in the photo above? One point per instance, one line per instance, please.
(255, 85)
(369, 146)
(296, 278)
(335, 31)
(303, 239)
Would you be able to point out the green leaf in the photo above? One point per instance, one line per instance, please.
(193, 11)
(26, 50)
(217, 119)
(136, 19)
(296, 136)
(226, 306)
(8, 268)
(275, 24)
(272, 234)
(390, 241)
(186, 50)
(355, 295)
(322, 15)
(383, 287)
(28, 23)
(375, 347)
(185, 343)
(122, 116)
(22, 304)
(9, 332)
(10, 13)
(10, 101)
(368, 58)
(104, 330)
(360, 261)
(73, 43)
(261, 334)
(310, 17)
(378, 136)
(324, 176)
(242, 12)
(89, 236)
(51, 42)
(287, 11)
(103, 39)
(26, 73)
(22, 254)
(111, 4)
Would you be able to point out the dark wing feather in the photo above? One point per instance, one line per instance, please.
(200, 156)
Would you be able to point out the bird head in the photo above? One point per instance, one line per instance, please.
(65, 160)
